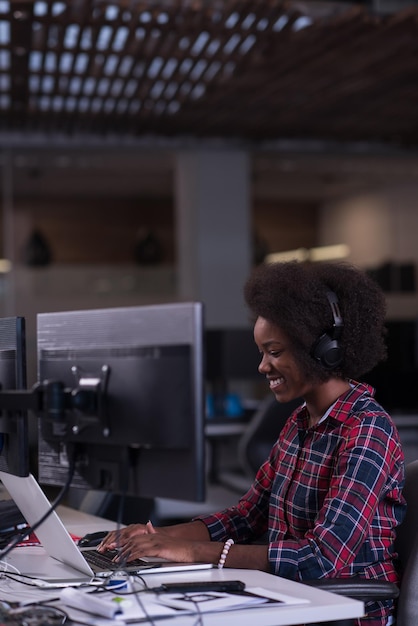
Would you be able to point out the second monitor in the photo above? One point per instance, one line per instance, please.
(144, 433)
(14, 438)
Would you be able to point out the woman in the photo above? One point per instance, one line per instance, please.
(329, 495)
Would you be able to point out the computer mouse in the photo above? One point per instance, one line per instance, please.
(91, 540)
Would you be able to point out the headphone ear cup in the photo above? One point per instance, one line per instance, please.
(328, 352)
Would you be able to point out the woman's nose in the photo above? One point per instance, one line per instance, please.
(263, 366)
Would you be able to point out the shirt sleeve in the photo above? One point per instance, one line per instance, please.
(248, 520)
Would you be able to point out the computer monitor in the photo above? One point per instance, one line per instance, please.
(146, 435)
(231, 353)
(395, 378)
(14, 440)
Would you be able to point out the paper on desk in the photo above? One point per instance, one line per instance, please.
(208, 601)
(220, 601)
(132, 611)
(149, 605)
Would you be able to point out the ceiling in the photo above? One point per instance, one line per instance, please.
(258, 70)
(297, 82)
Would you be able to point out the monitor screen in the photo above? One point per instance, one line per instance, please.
(148, 439)
(14, 446)
(231, 353)
(395, 379)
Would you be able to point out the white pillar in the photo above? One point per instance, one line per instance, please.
(214, 241)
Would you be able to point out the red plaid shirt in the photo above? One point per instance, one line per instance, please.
(328, 496)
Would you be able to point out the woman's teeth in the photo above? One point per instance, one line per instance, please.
(276, 381)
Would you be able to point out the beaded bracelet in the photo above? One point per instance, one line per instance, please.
(224, 553)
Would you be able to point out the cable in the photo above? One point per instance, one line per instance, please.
(30, 581)
(36, 614)
(8, 568)
(141, 606)
(199, 621)
(126, 472)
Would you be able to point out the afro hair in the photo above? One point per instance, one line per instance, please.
(293, 296)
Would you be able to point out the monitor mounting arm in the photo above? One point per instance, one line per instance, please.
(51, 400)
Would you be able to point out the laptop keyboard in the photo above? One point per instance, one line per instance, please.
(104, 561)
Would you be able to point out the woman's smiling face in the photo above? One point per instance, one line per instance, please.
(278, 365)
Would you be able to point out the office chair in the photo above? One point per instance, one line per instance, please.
(406, 545)
(256, 442)
(262, 432)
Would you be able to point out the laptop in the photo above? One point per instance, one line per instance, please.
(59, 559)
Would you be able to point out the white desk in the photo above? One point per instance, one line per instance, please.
(322, 606)
(225, 429)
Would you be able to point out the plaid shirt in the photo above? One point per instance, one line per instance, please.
(328, 496)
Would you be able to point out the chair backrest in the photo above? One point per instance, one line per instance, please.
(262, 432)
(407, 547)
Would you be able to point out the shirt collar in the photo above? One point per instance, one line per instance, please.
(342, 405)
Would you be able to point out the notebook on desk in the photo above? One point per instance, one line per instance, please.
(59, 558)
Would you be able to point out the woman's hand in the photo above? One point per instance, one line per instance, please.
(156, 545)
(182, 543)
(185, 543)
(117, 538)
(140, 540)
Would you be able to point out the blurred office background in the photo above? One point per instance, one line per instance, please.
(155, 151)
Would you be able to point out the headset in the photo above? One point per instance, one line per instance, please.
(327, 349)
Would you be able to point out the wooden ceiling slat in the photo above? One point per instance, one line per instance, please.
(308, 84)
(303, 61)
(278, 75)
(369, 78)
(274, 12)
